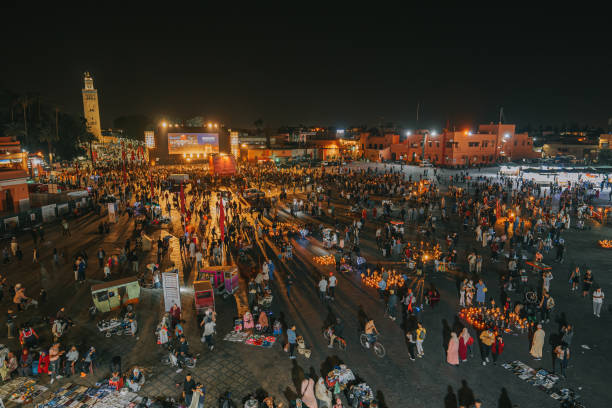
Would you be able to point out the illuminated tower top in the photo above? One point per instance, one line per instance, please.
(90, 106)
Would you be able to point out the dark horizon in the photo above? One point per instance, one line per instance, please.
(329, 72)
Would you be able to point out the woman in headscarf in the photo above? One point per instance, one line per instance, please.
(537, 343)
(452, 353)
(198, 398)
(307, 392)
(247, 321)
(43, 362)
(262, 321)
(465, 344)
(322, 393)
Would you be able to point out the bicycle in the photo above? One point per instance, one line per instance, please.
(531, 297)
(338, 341)
(379, 349)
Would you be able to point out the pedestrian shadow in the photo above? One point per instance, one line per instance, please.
(362, 317)
(465, 394)
(457, 325)
(329, 363)
(561, 320)
(450, 399)
(380, 397)
(504, 399)
(446, 334)
(290, 395)
(297, 375)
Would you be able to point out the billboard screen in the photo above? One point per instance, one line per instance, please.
(180, 143)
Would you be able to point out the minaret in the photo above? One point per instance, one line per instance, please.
(90, 107)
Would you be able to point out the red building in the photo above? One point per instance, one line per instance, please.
(492, 143)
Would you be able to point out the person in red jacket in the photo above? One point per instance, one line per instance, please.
(497, 348)
(28, 337)
(43, 363)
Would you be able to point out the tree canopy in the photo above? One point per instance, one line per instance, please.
(42, 126)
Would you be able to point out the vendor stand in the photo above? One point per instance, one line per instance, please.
(538, 266)
(338, 379)
(112, 295)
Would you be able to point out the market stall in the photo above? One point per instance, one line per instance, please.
(102, 395)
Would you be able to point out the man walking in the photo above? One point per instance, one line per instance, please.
(292, 341)
(421, 333)
(598, 297)
(487, 338)
(323, 289)
(332, 281)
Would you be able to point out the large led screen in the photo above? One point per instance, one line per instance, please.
(180, 143)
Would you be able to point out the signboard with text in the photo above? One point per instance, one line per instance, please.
(172, 289)
(193, 143)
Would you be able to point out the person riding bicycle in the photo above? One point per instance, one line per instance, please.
(335, 331)
(371, 332)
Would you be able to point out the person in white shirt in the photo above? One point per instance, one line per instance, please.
(598, 297)
(209, 330)
(332, 285)
(198, 258)
(323, 288)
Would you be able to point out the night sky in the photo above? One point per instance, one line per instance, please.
(338, 71)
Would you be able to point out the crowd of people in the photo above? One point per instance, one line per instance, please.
(510, 225)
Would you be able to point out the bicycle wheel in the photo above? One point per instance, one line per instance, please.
(379, 350)
(363, 339)
(531, 297)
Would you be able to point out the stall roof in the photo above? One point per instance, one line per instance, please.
(118, 282)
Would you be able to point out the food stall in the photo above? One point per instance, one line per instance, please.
(115, 294)
(204, 296)
(224, 279)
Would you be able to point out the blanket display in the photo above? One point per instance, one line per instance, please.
(543, 379)
(361, 393)
(101, 396)
(251, 339)
(340, 376)
(21, 390)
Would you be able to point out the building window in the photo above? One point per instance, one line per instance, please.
(437, 145)
(430, 144)
(485, 143)
(449, 145)
(515, 142)
(523, 143)
(473, 144)
(484, 158)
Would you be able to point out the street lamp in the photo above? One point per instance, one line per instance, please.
(164, 124)
(408, 133)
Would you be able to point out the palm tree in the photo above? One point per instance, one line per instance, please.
(48, 135)
(25, 102)
(13, 130)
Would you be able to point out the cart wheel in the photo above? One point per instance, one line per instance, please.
(108, 334)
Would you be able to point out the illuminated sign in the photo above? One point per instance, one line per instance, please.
(180, 143)
(150, 139)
